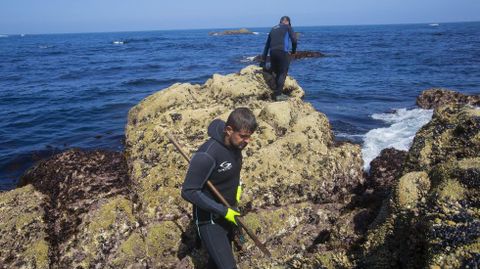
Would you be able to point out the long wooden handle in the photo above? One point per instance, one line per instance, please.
(224, 202)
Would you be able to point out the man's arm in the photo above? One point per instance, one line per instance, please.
(201, 166)
(265, 50)
(293, 37)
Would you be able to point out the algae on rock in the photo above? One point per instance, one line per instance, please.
(292, 160)
(23, 232)
(432, 219)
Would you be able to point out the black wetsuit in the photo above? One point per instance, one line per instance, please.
(278, 43)
(221, 165)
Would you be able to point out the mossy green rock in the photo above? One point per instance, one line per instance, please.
(292, 158)
(23, 232)
(453, 133)
(453, 215)
(432, 218)
(437, 97)
(86, 208)
(397, 231)
(410, 190)
(298, 195)
(299, 236)
(100, 236)
(291, 161)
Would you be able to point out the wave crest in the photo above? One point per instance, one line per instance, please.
(404, 124)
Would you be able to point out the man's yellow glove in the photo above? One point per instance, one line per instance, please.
(239, 192)
(231, 214)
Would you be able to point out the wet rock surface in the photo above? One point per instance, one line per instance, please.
(436, 97)
(384, 173)
(88, 212)
(385, 170)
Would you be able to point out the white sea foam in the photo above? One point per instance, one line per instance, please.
(255, 33)
(248, 59)
(349, 136)
(3, 35)
(117, 42)
(434, 24)
(404, 124)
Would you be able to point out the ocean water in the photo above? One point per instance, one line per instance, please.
(75, 90)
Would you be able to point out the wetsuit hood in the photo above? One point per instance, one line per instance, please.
(215, 130)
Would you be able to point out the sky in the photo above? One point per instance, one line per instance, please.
(72, 16)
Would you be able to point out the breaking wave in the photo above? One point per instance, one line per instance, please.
(404, 124)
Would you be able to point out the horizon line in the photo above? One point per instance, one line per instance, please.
(235, 27)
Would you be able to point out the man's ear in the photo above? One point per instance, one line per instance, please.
(228, 130)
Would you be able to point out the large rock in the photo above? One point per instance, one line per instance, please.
(89, 211)
(292, 164)
(431, 219)
(23, 231)
(384, 173)
(84, 210)
(436, 97)
(397, 233)
(453, 215)
(385, 169)
(453, 133)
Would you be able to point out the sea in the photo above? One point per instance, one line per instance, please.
(60, 91)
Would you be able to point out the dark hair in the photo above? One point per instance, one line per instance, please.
(242, 118)
(286, 18)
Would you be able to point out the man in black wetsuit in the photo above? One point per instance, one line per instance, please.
(219, 160)
(278, 43)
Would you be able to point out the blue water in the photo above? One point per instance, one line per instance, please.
(74, 90)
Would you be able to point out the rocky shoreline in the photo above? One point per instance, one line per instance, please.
(306, 196)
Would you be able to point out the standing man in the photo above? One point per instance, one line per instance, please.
(278, 43)
(219, 160)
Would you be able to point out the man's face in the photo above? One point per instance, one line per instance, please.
(238, 139)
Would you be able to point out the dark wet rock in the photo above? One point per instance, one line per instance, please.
(397, 232)
(433, 98)
(242, 31)
(89, 212)
(452, 215)
(385, 169)
(297, 56)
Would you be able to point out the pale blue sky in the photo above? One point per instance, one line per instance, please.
(69, 16)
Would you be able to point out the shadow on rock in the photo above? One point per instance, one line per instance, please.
(191, 246)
